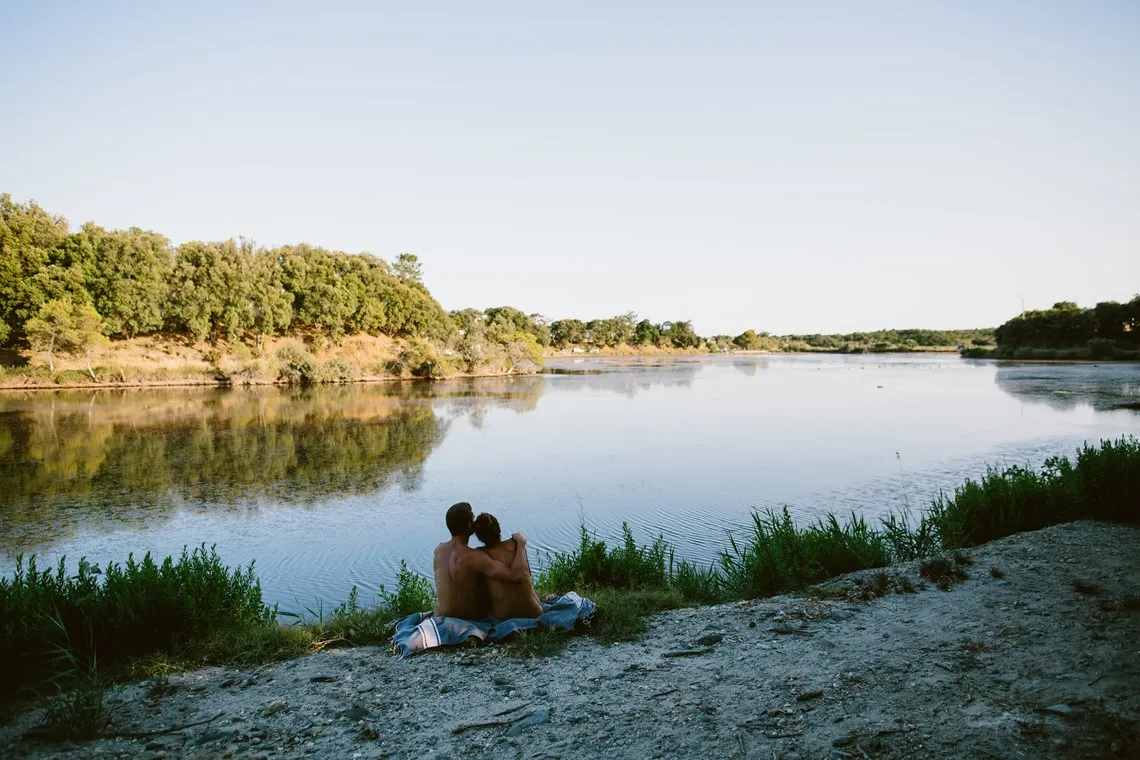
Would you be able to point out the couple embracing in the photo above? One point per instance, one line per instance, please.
(492, 581)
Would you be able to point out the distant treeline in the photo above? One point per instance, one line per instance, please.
(1066, 331)
(65, 291)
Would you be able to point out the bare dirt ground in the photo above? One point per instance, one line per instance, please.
(1041, 662)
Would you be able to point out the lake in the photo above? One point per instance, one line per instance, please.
(332, 486)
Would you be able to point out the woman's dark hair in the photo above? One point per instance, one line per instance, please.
(460, 519)
(487, 529)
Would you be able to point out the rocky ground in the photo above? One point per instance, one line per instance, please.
(1043, 661)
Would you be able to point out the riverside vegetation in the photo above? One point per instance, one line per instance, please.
(98, 306)
(70, 634)
(1109, 330)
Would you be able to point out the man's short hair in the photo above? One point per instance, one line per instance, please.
(461, 519)
(487, 529)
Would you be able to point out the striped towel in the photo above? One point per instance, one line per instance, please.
(421, 631)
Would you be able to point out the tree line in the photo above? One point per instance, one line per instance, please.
(135, 282)
(65, 291)
(1066, 330)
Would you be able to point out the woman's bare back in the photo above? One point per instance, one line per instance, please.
(511, 600)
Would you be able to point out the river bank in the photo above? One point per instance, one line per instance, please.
(177, 361)
(1033, 654)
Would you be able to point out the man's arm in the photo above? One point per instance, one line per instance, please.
(520, 563)
(482, 563)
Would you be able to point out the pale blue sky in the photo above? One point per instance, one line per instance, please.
(793, 167)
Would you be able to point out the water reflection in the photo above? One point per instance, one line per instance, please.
(1103, 387)
(627, 376)
(135, 457)
(750, 365)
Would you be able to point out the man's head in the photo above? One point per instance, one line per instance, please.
(461, 519)
(487, 529)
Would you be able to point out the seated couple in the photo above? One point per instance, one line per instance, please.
(489, 582)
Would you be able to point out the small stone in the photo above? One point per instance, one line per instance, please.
(709, 639)
(255, 740)
(154, 746)
(274, 707)
(539, 717)
(312, 731)
(323, 678)
(354, 713)
(809, 695)
(247, 683)
(751, 623)
(1060, 709)
(365, 687)
(229, 682)
(840, 615)
(842, 740)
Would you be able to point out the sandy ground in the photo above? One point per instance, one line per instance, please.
(1022, 666)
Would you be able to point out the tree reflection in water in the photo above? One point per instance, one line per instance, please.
(1103, 387)
(110, 457)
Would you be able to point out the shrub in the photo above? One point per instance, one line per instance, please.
(297, 366)
(338, 371)
(419, 359)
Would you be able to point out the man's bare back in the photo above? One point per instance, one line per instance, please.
(462, 575)
(512, 600)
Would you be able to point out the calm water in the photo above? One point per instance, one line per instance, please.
(331, 487)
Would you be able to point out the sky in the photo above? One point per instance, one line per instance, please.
(789, 167)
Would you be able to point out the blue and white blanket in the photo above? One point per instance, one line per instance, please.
(419, 632)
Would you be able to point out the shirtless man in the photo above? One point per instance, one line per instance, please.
(508, 600)
(461, 573)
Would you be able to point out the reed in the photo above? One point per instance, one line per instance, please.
(119, 612)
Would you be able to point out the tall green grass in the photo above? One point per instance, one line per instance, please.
(1102, 483)
(119, 612)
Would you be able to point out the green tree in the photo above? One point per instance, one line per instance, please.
(130, 280)
(646, 333)
(63, 326)
(566, 332)
(271, 306)
(748, 340)
(680, 334)
(209, 290)
(407, 268)
(28, 235)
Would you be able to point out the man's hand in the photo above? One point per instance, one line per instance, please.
(482, 563)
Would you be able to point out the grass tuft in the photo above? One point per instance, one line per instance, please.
(943, 572)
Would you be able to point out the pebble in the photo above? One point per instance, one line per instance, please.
(229, 682)
(1060, 709)
(539, 717)
(712, 638)
(842, 740)
(323, 678)
(365, 687)
(274, 707)
(840, 615)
